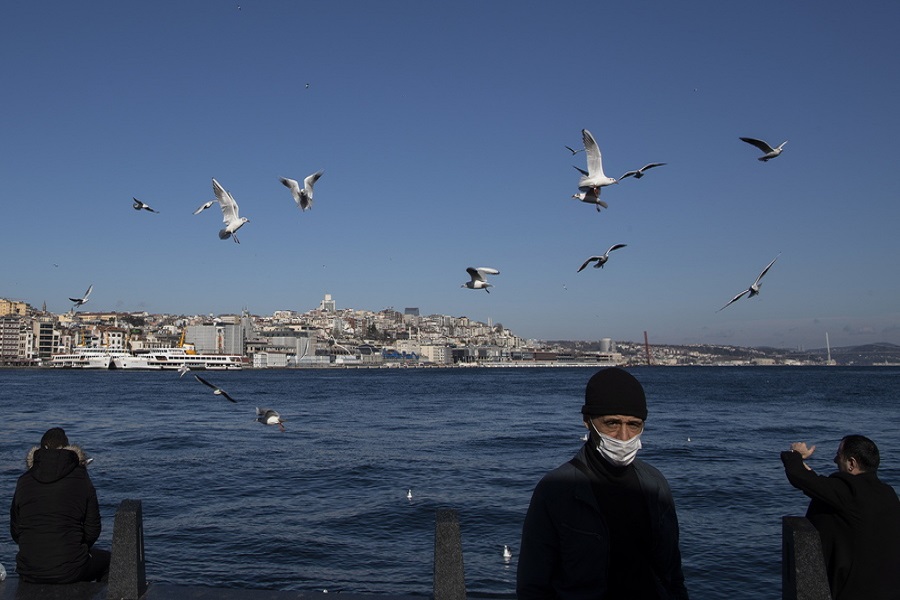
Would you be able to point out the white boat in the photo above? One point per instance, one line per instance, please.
(88, 358)
(175, 358)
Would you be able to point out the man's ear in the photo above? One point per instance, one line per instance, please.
(853, 465)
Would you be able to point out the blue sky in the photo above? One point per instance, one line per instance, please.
(441, 129)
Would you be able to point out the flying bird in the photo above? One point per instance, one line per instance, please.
(478, 281)
(204, 206)
(183, 369)
(230, 217)
(216, 389)
(769, 151)
(267, 416)
(303, 197)
(138, 205)
(593, 178)
(601, 260)
(753, 289)
(640, 172)
(591, 197)
(573, 150)
(83, 300)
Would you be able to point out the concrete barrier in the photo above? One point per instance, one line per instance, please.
(449, 574)
(127, 569)
(803, 574)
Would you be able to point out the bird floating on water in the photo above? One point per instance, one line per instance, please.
(138, 205)
(640, 172)
(591, 197)
(267, 416)
(303, 197)
(79, 301)
(601, 260)
(753, 289)
(507, 553)
(479, 281)
(409, 495)
(769, 151)
(230, 216)
(216, 389)
(593, 178)
(204, 206)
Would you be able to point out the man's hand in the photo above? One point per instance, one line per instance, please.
(801, 448)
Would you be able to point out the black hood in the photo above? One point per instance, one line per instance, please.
(53, 465)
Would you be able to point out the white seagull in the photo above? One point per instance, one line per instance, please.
(409, 495)
(601, 260)
(230, 217)
(83, 300)
(303, 197)
(138, 205)
(507, 553)
(573, 150)
(267, 416)
(770, 152)
(478, 281)
(640, 172)
(183, 369)
(591, 197)
(216, 389)
(204, 206)
(593, 178)
(753, 289)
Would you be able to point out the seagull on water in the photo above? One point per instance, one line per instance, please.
(640, 172)
(409, 495)
(83, 300)
(478, 281)
(601, 260)
(753, 289)
(769, 151)
(507, 553)
(230, 217)
(204, 206)
(591, 197)
(216, 389)
(593, 178)
(303, 197)
(138, 205)
(267, 416)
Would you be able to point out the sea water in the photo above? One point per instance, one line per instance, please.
(230, 502)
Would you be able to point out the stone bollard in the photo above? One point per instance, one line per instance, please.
(803, 574)
(127, 571)
(449, 575)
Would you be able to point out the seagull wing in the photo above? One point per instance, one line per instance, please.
(586, 263)
(766, 270)
(572, 150)
(474, 274)
(204, 206)
(487, 271)
(651, 165)
(629, 174)
(88, 292)
(615, 247)
(582, 171)
(310, 181)
(226, 201)
(205, 382)
(735, 299)
(594, 158)
(758, 143)
(294, 186)
(226, 396)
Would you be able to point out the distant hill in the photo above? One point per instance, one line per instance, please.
(867, 354)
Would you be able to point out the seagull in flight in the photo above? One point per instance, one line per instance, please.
(204, 206)
(230, 217)
(753, 289)
(183, 369)
(593, 179)
(591, 197)
(769, 151)
(640, 172)
(573, 150)
(601, 260)
(138, 205)
(83, 300)
(303, 197)
(267, 416)
(216, 389)
(478, 281)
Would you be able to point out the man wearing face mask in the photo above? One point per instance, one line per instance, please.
(603, 525)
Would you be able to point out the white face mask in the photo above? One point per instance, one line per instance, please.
(616, 451)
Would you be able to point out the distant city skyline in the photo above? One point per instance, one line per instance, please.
(442, 132)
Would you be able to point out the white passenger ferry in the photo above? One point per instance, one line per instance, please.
(88, 358)
(175, 358)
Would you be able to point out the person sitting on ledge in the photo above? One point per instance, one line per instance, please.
(857, 516)
(55, 517)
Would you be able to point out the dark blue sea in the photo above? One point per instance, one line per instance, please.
(233, 503)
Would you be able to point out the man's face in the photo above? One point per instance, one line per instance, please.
(621, 427)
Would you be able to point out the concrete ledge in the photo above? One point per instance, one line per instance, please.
(14, 589)
(803, 574)
(449, 573)
(127, 569)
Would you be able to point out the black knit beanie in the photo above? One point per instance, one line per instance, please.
(614, 391)
(55, 438)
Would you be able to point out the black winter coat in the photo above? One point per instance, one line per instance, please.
(54, 517)
(858, 519)
(565, 545)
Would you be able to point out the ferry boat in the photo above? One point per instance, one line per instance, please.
(88, 358)
(175, 358)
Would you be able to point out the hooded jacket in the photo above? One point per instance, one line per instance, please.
(565, 539)
(54, 516)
